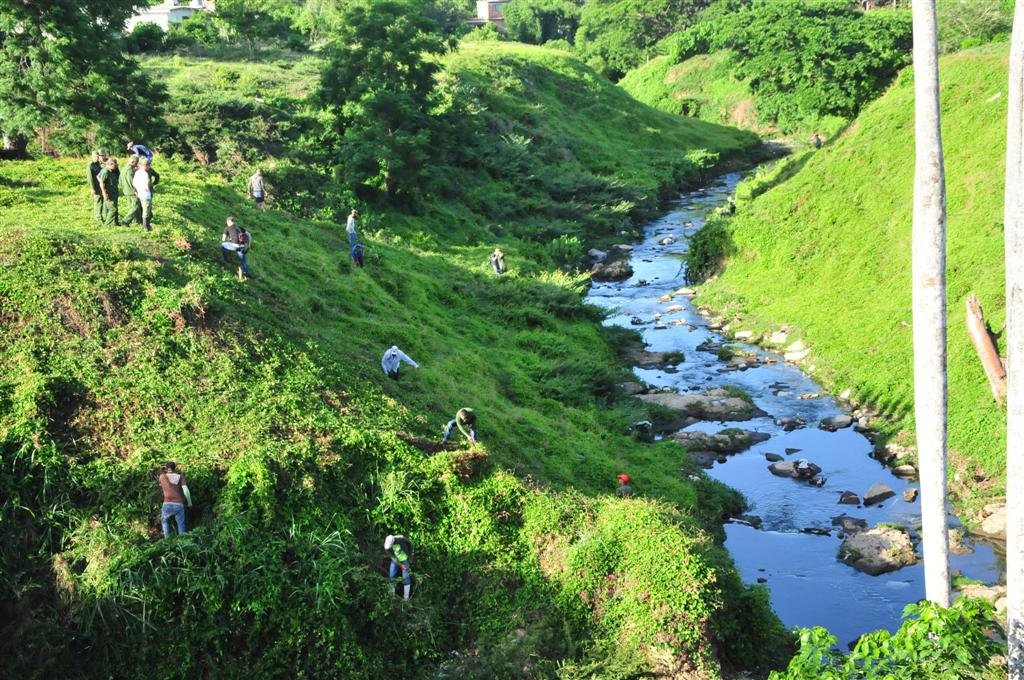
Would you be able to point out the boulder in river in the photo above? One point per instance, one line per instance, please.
(849, 498)
(711, 405)
(731, 440)
(685, 292)
(743, 335)
(596, 255)
(750, 520)
(910, 494)
(790, 423)
(905, 471)
(667, 241)
(833, 423)
(673, 309)
(773, 457)
(878, 550)
(994, 523)
(799, 469)
(644, 359)
(878, 493)
(618, 270)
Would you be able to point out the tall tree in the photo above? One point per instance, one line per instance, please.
(1014, 245)
(61, 60)
(379, 82)
(929, 302)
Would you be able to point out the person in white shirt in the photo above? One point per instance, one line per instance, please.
(350, 227)
(143, 184)
(392, 359)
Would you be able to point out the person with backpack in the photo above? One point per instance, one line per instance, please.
(357, 255)
(176, 495)
(92, 171)
(465, 420)
(392, 359)
(399, 550)
(498, 261)
(236, 239)
(110, 179)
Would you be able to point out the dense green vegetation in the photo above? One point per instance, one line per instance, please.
(122, 350)
(828, 252)
(804, 61)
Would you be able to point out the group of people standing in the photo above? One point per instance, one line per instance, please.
(109, 184)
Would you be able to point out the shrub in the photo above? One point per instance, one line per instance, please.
(145, 37)
(566, 250)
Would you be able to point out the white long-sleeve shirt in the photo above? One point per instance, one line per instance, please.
(393, 358)
(350, 225)
(140, 180)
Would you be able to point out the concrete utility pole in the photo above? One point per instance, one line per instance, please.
(929, 300)
(1014, 244)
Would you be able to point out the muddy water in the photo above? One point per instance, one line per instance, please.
(808, 585)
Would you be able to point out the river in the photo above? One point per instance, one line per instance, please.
(809, 586)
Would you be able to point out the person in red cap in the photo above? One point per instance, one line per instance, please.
(624, 489)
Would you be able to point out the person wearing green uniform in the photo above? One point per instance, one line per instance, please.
(109, 179)
(92, 169)
(399, 550)
(132, 212)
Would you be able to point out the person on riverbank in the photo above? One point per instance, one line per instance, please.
(393, 359)
(257, 189)
(465, 420)
(350, 227)
(498, 261)
(176, 495)
(357, 255)
(132, 211)
(399, 551)
(624, 490)
(110, 180)
(236, 239)
(92, 171)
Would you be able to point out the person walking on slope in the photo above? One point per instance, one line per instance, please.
(92, 171)
(498, 262)
(357, 255)
(110, 179)
(237, 240)
(465, 420)
(392, 359)
(126, 190)
(399, 550)
(176, 495)
(257, 190)
(140, 150)
(624, 490)
(143, 183)
(350, 227)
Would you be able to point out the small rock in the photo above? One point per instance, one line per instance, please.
(790, 451)
(667, 241)
(596, 255)
(878, 550)
(618, 270)
(849, 525)
(811, 395)
(637, 321)
(762, 579)
(660, 326)
(750, 520)
(642, 282)
(778, 338)
(956, 543)
(796, 356)
(815, 531)
(625, 247)
(722, 459)
(801, 469)
(685, 292)
(818, 481)
(744, 335)
(773, 457)
(910, 495)
(674, 308)
(845, 394)
(878, 493)
(797, 346)
(995, 523)
(834, 423)
(791, 423)
(905, 471)
(849, 498)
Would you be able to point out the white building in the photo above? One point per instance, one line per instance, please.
(168, 12)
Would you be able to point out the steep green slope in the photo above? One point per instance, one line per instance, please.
(121, 350)
(828, 252)
(702, 86)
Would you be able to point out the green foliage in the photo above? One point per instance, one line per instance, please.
(969, 24)
(253, 21)
(802, 60)
(383, 114)
(566, 250)
(200, 29)
(541, 21)
(61, 69)
(837, 232)
(708, 249)
(485, 33)
(615, 36)
(145, 37)
(933, 642)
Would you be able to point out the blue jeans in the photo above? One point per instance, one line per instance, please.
(177, 510)
(225, 249)
(351, 240)
(451, 426)
(406, 573)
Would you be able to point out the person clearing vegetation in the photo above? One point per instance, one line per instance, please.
(465, 420)
(176, 495)
(399, 550)
(392, 359)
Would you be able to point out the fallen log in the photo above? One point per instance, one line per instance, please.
(984, 342)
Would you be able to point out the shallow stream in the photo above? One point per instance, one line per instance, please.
(809, 586)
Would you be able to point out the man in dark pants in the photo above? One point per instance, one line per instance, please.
(236, 239)
(399, 550)
(92, 169)
(132, 212)
(176, 495)
(110, 179)
(465, 419)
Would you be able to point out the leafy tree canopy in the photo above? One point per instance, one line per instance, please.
(255, 20)
(540, 21)
(617, 35)
(61, 65)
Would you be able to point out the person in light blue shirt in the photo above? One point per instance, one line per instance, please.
(140, 150)
(392, 359)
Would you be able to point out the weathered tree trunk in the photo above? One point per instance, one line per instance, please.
(13, 146)
(985, 345)
(1014, 244)
(929, 301)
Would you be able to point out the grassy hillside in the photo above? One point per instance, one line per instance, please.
(702, 86)
(122, 350)
(828, 253)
